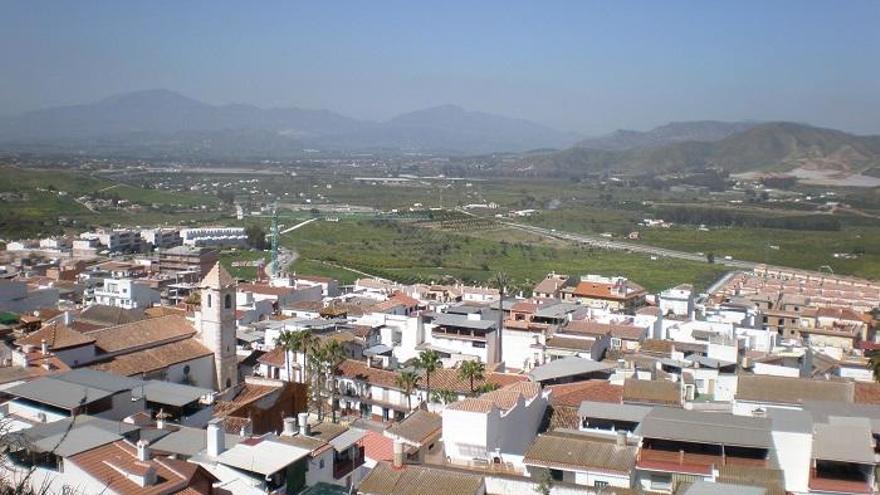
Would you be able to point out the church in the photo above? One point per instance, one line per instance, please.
(197, 349)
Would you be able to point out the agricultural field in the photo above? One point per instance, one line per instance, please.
(44, 202)
(417, 253)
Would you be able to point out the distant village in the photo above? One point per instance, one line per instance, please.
(133, 362)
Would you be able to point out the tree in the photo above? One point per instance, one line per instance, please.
(710, 258)
(291, 342)
(472, 371)
(407, 381)
(334, 354)
(429, 362)
(227, 197)
(487, 387)
(444, 396)
(543, 482)
(256, 236)
(874, 364)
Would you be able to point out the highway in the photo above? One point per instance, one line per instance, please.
(606, 243)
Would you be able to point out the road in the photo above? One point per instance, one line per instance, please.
(604, 242)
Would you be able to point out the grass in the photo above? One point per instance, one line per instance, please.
(800, 249)
(412, 253)
(243, 272)
(40, 206)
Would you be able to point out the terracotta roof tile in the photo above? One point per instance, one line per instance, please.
(572, 394)
(155, 358)
(659, 392)
(867, 393)
(142, 333)
(57, 336)
(377, 446)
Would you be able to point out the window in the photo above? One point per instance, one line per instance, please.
(227, 301)
(321, 464)
(209, 300)
(600, 484)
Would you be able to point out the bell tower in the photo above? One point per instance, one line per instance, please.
(217, 324)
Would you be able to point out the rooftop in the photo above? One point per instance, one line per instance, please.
(706, 428)
(419, 480)
(561, 451)
(567, 367)
(418, 427)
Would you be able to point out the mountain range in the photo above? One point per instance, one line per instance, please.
(162, 119)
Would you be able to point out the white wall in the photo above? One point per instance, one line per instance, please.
(792, 452)
(517, 350)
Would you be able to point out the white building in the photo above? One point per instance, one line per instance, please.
(126, 293)
(494, 425)
(214, 236)
(17, 297)
(678, 301)
(162, 238)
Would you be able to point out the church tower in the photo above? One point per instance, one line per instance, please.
(217, 325)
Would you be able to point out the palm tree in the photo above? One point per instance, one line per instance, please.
(444, 396)
(407, 381)
(290, 342)
(874, 364)
(472, 371)
(333, 354)
(307, 345)
(429, 361)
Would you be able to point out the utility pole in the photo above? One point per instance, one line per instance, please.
(274, 269)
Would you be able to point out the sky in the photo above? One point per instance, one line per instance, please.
(583, 66)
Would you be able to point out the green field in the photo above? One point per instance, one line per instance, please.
(414, 253)
(44, 202)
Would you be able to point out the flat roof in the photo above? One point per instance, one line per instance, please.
(452, 320)
(844, 442)
(262, 455)
(189, 441)
(74, 388)
(707, 428)
(347, 438)
(607, 410)
(701, 487)
(565, 367)
(173, 394)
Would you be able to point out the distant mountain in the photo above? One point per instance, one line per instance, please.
(675, 132)
(173, 123)
(774, 146)
(450, 128)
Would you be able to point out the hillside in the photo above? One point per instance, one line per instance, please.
(770, 147)
(674, 132)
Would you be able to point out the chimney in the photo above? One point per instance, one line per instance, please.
(289, 427)
(68, 318)
(216, 437)
(303, 421)
(44, 347)
(246, 429)
(143, 451)
(397, 459)
(621, 438)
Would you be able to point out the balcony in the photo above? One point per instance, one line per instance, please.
(447, 333)
(684, 462)
(343, 466)
(851, 484)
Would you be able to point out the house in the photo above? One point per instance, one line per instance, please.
(610, 419)
(582, 460)
(678, 301)
(465, 335)
(390, 479)
(550, 287)
(259, 405)
(494, 424)
(757, 394)
(612, 293)
(336, 456)
(187, 259)
(18, 297)
(680, 445)
(126, 293)
(622, 337)
(80, 391)
(261, 464)
(569, 369)
(419, 432)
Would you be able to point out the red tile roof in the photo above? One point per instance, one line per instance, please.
(377, 446)
(572, 394)
(57, 336)
(867, 393)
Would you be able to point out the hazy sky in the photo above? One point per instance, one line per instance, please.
(583, 66)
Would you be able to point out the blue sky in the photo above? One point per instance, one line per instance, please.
(585, 66)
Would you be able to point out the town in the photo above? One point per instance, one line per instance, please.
(134, 362)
